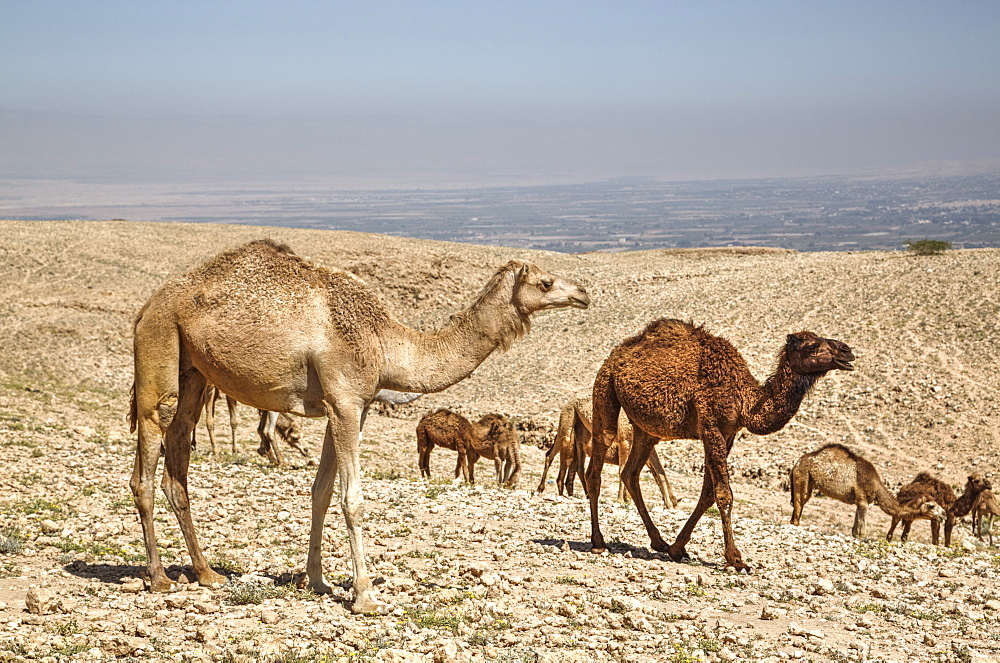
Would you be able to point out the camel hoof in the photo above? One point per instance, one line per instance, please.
(212, 580)
(318, 587)
(660, 547)
(366, 605)
(678, 554)
(164, 585)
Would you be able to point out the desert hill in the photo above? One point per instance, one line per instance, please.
(924, 397)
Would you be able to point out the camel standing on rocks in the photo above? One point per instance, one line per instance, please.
(279, 334)
(675, 380)
(983, 511)
(961, 507)
(491, 437)
(843, 475)
(926, 484)
(573, 445)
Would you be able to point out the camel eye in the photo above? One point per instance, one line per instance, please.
(546, 284)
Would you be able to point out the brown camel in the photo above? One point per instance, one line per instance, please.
(491, 437)
(942, 494)
(961, 507)
(677, 381)
(274, 425)
(574, 433)
(983, 510)
(280, 334)
(844, 475)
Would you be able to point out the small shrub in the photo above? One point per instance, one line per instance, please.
(253, 593)
(11, 540)
(927, 247)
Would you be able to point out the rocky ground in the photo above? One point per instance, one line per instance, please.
(482, 573)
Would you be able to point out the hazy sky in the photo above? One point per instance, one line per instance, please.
(460, 92)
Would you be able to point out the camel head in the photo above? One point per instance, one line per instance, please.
(933, 511)
(977, 483)
(808, 353)
(537, 290)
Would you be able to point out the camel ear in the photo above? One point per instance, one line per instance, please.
(522, 273)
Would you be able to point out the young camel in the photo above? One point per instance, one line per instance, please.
(926, 484)
(983, 510)
(491, 437)
(843, 475)
(975, 484)
(280, 334)
(573, 445)
(677, 381)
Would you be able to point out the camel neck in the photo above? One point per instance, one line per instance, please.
(778, 400)
(428, 362)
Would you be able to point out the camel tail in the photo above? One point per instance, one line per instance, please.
(133, 415)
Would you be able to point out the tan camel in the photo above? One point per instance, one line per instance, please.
(211, 396)
(677, 381)
(280, 334)
(491, 437)
(983, 510)
(574, 433)
(844, 475)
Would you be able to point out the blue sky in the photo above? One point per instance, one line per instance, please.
(475, 91)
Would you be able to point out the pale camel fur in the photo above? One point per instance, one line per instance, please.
(491, 437)
(844, 475)
(278, 333)
(574, 434)
(677, 381)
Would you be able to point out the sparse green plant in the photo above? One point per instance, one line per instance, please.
(870, 607)
(695, 590)
(709, 645)
(713, 512)
(253, 593)
(567, 580)
(927, 247)
(11, 540)
(65, 629)
(423, 553)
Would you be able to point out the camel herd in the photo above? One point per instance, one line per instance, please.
(264, 327)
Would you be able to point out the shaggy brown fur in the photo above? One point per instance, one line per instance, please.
(280, 334)
(573, 445)
(983, 510)
(677, 381)
(846, 476)
(924, 485)
(961, 507)
(491, 437)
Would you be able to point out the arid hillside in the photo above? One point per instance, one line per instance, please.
(482, 573)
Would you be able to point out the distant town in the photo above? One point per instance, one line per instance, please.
(806, 214)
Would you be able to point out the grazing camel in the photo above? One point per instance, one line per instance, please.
(574, 435)
(280, 334)
(843, 475)
(675, 380)
(491, 437)
(983, 510)
(278, 424)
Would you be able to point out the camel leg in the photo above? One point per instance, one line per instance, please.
(568, 469)
(907, 524)
(231, 406)
(592, 487)
(935, 532)
(802, 489)
(424, 446)
(642, 445)
(892, 528)
(549, 457)
(177, 456)
(717, 472)
(208, 399)
(268, 443)
(147, 457)
(949, 525)
(656, 469)
(471, 457)
(858, 531)
(581, 436)
(322, 493)
(677, 550)
(498, 464)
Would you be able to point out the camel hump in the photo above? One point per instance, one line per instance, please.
(662, 330)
